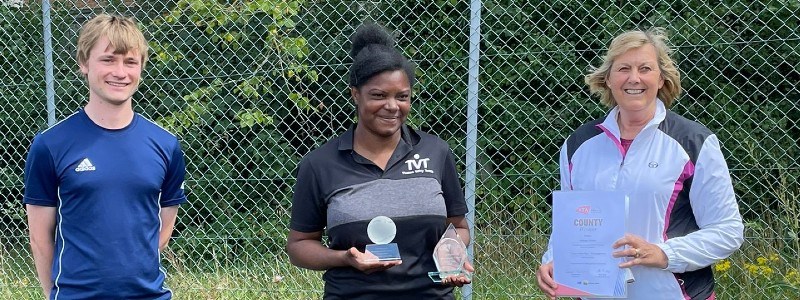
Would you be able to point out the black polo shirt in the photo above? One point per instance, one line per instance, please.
(340, 191)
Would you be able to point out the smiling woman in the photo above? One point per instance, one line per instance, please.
(634, 80)
(682, 214)
(382, 104)
(379, 168)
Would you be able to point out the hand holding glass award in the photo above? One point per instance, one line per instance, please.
(450, 254)
(381, 231)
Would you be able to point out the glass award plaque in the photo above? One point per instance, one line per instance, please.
(450, 254)
(381, 231)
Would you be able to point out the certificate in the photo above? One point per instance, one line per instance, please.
(585, 225)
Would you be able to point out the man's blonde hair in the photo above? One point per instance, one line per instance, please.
(596, 80)
(122, 33)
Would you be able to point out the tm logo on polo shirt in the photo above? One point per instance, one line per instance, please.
(417, 165)
(85, 165)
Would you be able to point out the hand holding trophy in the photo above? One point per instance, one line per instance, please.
(381, 231)
(450, 256)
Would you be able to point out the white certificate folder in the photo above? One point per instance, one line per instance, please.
(585, 225)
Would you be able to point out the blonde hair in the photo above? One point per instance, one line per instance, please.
(122, 33)
(596, 80)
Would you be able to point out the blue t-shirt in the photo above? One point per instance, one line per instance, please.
(108, 187)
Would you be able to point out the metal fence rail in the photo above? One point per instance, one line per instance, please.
(250, 86)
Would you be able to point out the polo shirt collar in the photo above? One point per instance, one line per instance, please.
(407, 137)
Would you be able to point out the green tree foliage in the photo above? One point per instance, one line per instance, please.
(23, 101)
(226, 78)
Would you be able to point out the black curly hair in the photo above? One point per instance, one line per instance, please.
(373, 52)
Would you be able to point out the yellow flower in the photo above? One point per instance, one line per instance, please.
(766, 271)
(761, 260)
(774, 257)
(751, 269)
(759, 271)
(793, 277)
(722, 265)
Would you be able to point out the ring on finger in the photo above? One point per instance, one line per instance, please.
(638, 253)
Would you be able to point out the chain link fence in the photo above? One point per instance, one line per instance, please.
(251, 86)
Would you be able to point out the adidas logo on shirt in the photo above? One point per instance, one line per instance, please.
(85, 165)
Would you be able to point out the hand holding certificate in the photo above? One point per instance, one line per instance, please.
(585, 225)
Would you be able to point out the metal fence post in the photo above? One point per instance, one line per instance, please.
(472, 125)
(50, 92)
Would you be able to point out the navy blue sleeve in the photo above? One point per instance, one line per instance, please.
(172, 188)
(309, 213)
(41, 181)
(451, 188)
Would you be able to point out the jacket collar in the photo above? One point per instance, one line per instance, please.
(611, 125)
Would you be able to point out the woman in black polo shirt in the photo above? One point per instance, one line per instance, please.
(379, 167)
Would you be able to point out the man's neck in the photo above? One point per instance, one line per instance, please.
(109, 116)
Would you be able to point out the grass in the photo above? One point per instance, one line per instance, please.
(249, 283)
(761, 276)
(278, 280)
(764, 268)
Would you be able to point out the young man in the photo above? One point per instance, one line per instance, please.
(102, 187)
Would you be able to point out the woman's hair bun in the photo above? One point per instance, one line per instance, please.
(369, 34)
(373, 52)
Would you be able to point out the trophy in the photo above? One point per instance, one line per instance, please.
(381, 231)
(450, 254)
